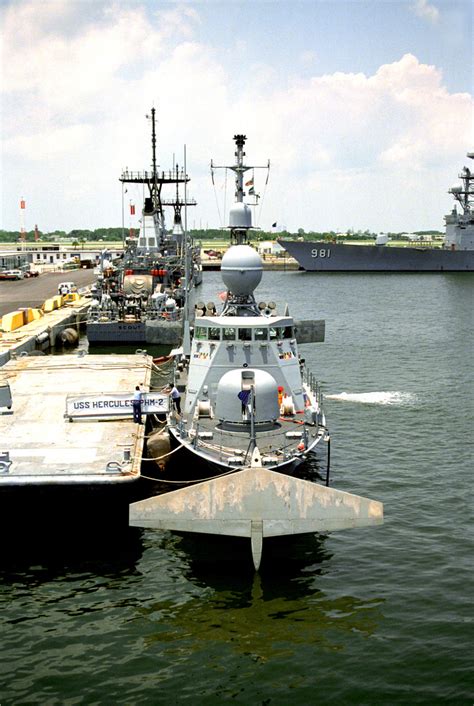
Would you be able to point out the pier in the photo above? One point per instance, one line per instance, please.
(40, 333)
(44, 445)
(68, 440)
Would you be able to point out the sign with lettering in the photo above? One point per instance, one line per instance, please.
(114, 405)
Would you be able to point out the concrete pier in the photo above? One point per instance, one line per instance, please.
(41, 334)
(41, 447)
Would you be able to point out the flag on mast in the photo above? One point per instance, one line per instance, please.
(249, 182)
(22, 203)
(132, 209)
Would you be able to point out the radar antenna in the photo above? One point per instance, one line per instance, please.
(240, 219)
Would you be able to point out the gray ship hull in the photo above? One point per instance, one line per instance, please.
(321, 256)
(166, 333)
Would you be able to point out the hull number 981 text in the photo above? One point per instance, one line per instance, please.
(322, 252)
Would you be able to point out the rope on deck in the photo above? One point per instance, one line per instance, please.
(232, 470)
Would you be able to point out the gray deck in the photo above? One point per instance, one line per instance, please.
(226, 446)
(44, 447)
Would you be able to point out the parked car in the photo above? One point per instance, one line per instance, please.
(31, 273)
(67, 288)
(11, 274)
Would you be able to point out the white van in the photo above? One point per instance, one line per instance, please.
(66, 288)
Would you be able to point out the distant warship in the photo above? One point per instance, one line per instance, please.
(141, 298)
(456, 254)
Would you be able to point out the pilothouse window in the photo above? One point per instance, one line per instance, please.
(281, 332)
(229, 334)
(245, 334)
(200, 333)
(214, 334)
(261, 334)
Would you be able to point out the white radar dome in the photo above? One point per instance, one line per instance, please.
(229, 405)
(241, 269)
(240, 216)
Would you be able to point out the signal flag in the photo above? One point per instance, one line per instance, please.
(22, 204)
(132, 209)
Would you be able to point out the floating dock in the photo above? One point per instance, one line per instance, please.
(66, 426)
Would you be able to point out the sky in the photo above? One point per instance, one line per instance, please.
(363, 107)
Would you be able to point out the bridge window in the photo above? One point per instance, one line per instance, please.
(276, 332)
(214, 333)
(261, 334)
(229, 334)
(245, 334)
(201, 333)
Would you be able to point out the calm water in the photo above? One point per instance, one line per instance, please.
(370, 616)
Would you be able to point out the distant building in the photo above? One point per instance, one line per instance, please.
(56, 255)
(269, 247)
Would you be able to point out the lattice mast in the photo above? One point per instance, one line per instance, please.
(464, 194)
(154, 179)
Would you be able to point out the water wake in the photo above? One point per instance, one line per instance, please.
(380, 398)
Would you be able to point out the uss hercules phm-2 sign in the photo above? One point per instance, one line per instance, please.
(113, 405)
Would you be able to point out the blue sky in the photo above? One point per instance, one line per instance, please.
(364, 108)
(348, 36)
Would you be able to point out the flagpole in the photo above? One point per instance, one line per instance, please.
(187, 256)
(123, 220)
(186, 249)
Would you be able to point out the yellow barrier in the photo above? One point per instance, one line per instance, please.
(53, 303)
(27, 315)
(12, 321)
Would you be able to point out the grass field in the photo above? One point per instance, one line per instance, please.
(205, 244)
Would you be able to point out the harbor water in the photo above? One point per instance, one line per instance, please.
(370, 616)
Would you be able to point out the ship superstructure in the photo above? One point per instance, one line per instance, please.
(141, 299)
(247, 397)
(460, 226)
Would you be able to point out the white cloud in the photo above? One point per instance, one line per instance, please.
(426, 10)
(342, 145)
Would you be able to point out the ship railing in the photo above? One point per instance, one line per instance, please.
(219, 443)
(141, 176)
(310, 380)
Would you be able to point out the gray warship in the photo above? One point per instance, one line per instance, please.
(250, 414)
(141, 298)
(455, 255)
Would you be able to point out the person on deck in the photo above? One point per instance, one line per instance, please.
(137, 405)
(176, 397)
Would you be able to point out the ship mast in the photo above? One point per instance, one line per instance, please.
(464, 194)
(240, 217)
(154, 179)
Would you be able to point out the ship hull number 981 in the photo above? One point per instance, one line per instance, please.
(321, 252)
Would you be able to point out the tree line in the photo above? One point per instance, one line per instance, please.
(81, 236)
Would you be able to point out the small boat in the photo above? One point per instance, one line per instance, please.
(245, 415)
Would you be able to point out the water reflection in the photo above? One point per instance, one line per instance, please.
(42, 556)
(261, 614)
